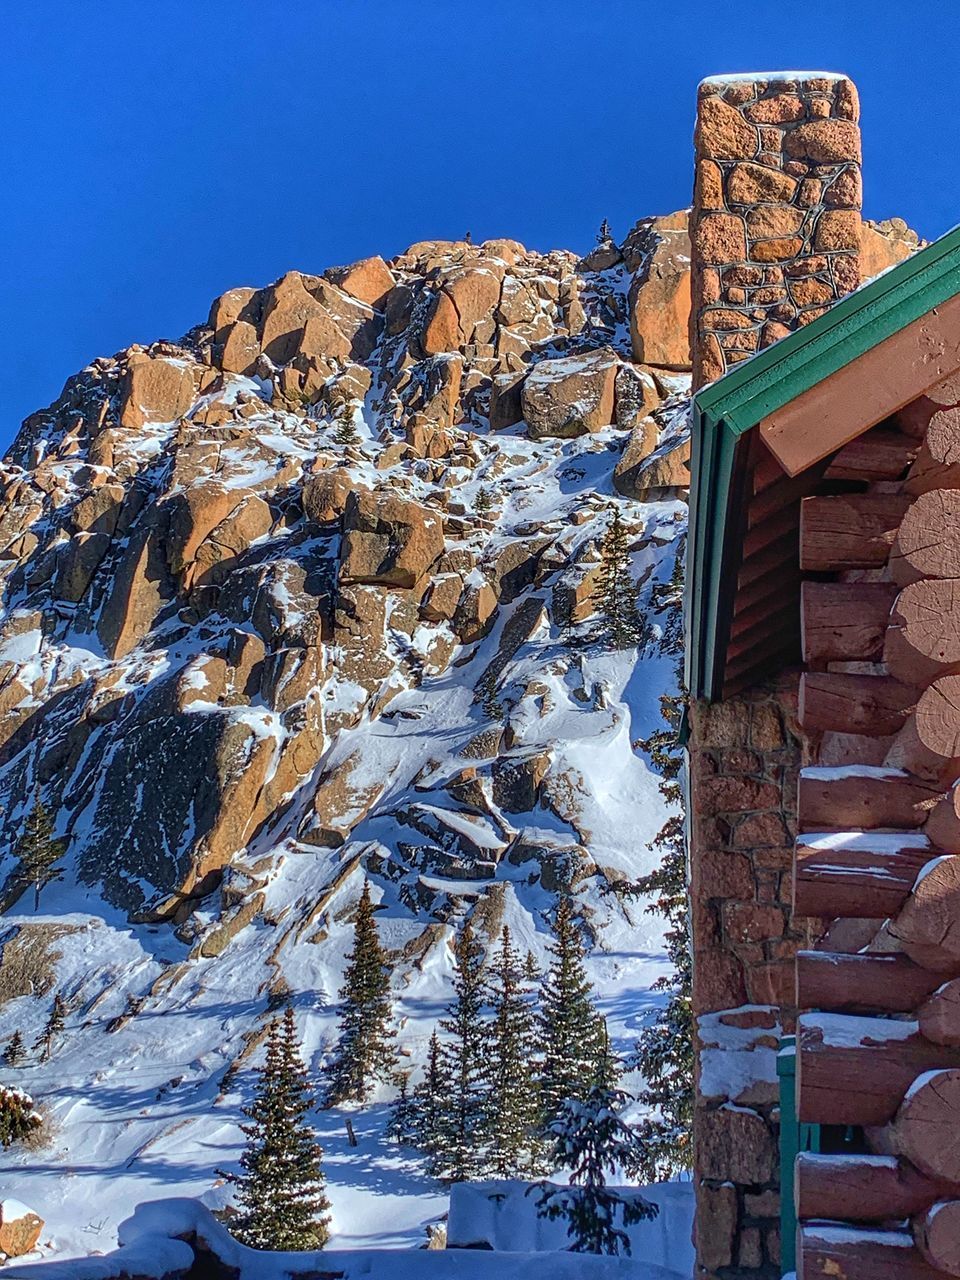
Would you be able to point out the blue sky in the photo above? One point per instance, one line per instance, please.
(159, 154)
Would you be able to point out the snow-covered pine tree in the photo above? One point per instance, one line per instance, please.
(37, 851)
(664, 1052)
(345, 428)
(461, 1154)
(365, 1051)
(402, 1124)
(513, 1100)
(14, 1051)
(591, 1140)
(604, 235)
(571, 1030)
(19, 1118)
(431, 1109)
(282, 1203)
(615, 594)
(484, 502)
(52, 1028)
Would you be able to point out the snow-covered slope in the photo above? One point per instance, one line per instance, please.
(243, 679)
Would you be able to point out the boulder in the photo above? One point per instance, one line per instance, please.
(99, 511)
(342, 799)
(642, 443)
(465, 298)
(388, 540)
(516, 781)
(506, 400)
(20, 1228)
(310, 315)
(77, 563)
(369, 280)
(325, 495)
(240, 349)
(636, 396)
(156, 390)
(665, 474)
(440, 602)
(234, 305)
(659, 297)
(475, 612)
(570, 396)
(141, 587)
(883, 244)
(192, 515)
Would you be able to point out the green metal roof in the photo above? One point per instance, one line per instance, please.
(724, 412)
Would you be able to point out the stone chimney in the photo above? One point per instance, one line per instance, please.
(775, 223)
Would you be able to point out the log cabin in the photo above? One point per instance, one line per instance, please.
(823, 726)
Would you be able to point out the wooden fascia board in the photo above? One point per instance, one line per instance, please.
(856, 397)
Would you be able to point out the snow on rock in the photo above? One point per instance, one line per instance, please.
(738, 1054)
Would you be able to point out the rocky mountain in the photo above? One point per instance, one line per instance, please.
(308, 596)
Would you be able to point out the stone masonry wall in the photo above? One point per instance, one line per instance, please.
(775, 224)
(744, 761)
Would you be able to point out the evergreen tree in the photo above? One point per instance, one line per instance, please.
(571, 1029)
(431, 1109)
(609, 1067)
(19, 1117)
(365, 1051)
(345, 428)
(615, 594)
(591, 1140)
(604, 235)
(461, 1153)
(280, 1189)
(402, 1125)
(484, 502)
(52, 1028)
(513, 1102)
(14, 1051)
(38, 851)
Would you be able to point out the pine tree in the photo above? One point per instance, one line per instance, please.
(365, 1051)
(38, 851)
(280, 1189)
(431, 1109)
(345, 428)
(52, 1028)
(19, 1117)
(14, 1051)
(513, 1101)
(591, 1140)
(402, 1125)
(571, 1029)
(615, 594)
(483, 503)
(461, 1155)
(604, 235)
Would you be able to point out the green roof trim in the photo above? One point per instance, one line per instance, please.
(726, 410)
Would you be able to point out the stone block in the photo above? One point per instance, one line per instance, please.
(716, 1224)
(745, 922)
(734, 1144)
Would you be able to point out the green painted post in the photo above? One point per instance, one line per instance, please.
(789, 1146)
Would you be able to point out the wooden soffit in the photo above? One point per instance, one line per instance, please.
(881, 381)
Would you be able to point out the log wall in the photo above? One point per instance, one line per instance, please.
(879, 834)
